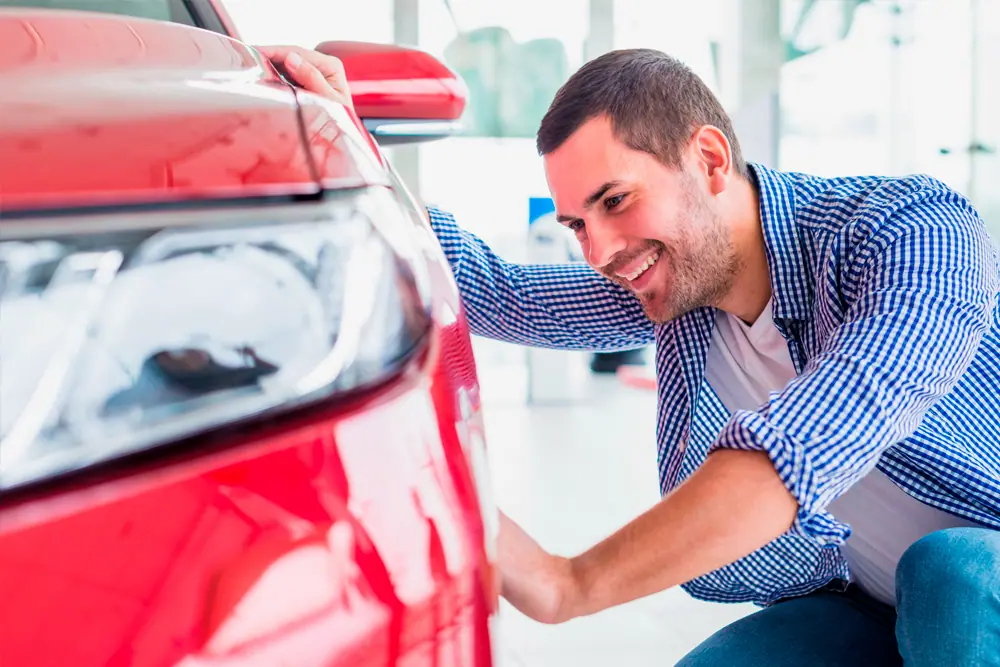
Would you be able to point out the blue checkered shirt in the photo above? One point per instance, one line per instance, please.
(886, 290)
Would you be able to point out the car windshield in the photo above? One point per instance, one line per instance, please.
(177, 11)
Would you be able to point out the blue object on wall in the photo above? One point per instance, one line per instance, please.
(538, 207)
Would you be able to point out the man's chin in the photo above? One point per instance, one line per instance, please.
(660, 309)
(657, 307)
(654, 307)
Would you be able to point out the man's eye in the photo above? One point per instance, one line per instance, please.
(576, 225)
(612, 202)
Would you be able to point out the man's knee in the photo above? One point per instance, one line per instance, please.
(948, 598)
(965, 560)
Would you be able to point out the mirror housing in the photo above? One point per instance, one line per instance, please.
(403, 95)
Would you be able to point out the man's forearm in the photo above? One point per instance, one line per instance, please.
(733, 505)
(563, 306)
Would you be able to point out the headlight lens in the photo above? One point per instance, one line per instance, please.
(158, 328)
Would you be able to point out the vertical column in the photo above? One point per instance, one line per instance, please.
(976, 147)
(751, 53)
(601, 29)
(986, 122)
(406, 31)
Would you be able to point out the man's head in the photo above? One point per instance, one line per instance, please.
(639, 156)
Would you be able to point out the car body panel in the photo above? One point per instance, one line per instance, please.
(338, 144)
(157, 113)
(346, 525)
(346, 534)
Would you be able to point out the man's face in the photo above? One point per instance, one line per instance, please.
(649, 228)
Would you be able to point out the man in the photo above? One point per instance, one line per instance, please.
(828, 359)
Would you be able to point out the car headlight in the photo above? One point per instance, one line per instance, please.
(126, 331)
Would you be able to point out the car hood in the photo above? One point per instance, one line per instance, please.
(105, 110)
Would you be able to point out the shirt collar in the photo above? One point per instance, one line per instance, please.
(791, 285)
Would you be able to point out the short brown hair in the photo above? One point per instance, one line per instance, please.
(654, 101)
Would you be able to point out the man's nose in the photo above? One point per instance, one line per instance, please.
(605, 243)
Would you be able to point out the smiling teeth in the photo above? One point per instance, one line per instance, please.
(642, 269)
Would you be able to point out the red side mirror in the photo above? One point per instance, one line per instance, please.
(402, 94)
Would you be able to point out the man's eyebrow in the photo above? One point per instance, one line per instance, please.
(591, 200)
(600, 192)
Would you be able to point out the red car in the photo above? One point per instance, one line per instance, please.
(239, 412)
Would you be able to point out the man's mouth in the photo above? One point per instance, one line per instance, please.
(645, 266)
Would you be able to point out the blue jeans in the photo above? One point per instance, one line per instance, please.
(947, 613)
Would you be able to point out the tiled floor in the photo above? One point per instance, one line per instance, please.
(570, 474)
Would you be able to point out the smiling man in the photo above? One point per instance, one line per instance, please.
(828, 361)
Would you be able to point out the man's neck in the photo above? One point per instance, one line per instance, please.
(751, 289)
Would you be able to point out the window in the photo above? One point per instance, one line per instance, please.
(175, 11)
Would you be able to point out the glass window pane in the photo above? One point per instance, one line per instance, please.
(161, 10)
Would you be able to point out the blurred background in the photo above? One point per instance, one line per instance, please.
(829, 87)
(821, 86)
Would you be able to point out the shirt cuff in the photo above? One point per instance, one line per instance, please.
(449, 235)
(751, 431)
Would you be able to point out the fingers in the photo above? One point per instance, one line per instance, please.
(308, 76)
(316, 72)
(321, 61)
(330, 67)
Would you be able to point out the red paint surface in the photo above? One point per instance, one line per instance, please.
(104, 110)
(399, 82)
(349, 535)
(350, 538)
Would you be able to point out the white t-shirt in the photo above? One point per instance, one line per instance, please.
(746, 363)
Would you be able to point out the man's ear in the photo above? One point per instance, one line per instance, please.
(714, 157)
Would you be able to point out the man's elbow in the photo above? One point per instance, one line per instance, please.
(755, 473)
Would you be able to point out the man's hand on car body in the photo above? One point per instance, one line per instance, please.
(315, 72)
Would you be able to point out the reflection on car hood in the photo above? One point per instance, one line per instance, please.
(101, 109)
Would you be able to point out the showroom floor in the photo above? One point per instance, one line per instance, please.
(571, 473)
